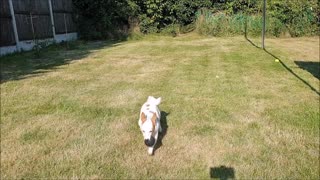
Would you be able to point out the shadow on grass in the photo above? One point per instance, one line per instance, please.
(222, 173)
(310, 66)
(164, 126)
(27, 64)
(293, 73)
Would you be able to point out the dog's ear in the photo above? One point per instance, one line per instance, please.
(158, 101)
(150, 98)
(153, 119)
(143, 117)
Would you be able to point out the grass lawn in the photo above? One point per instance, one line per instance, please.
(230, 110)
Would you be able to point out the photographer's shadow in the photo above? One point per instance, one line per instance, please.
(222, 173)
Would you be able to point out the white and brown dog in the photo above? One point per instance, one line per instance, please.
(149, 122)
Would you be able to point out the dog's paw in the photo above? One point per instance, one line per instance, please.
(150, 151)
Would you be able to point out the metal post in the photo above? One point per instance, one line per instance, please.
(14, 25)
(52, 20)
(263, 23)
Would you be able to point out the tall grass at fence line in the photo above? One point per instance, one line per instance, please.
(220, 24)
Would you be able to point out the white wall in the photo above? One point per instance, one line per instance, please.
(29, 44)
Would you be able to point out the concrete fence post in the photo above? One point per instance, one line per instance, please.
(14, 25)
(52, 20)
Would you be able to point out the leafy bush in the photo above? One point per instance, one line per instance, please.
(301, 25)
(111, 19)
(237, 23)
(101, 19)
(275, 27)
(221, 24)
(299, 17)
(148, 25)
(187, 28)
(171, 30)
(254, 25)
(155, 15)
(183, 11)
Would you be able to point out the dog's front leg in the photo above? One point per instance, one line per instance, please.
(150, 149)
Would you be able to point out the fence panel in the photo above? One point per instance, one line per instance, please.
(6, 32)
(62, 14)
(41, 25)
(4, 8)
(31, 6)
(60, 26)
(6, 29)
(38, 11)
(62, 6)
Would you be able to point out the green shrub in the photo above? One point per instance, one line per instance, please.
(220, 24)
(300, 26)
(298, 16)
(147, 25)
(254, 25)
(275, 27)
(237, 23)
(101, 19)
(187, 28)
(208, 23)
(171, 30)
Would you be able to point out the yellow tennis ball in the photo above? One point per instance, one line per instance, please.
(276, 60)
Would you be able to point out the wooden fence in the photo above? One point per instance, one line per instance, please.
(6, 29)
(33, 19)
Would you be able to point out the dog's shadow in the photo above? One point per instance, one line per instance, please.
(164, 126)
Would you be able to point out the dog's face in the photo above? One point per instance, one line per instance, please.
(148, 128)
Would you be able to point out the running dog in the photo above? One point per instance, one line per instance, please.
(149, 122)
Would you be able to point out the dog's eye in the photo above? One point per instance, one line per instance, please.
(143, 131)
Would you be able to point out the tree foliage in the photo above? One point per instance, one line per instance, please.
(154, 15)
(101, 18)
(104, 18)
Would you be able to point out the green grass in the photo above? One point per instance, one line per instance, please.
(231, 110)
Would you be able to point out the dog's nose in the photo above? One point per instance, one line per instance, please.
(149, 142)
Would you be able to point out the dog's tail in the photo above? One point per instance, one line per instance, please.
(153, 100)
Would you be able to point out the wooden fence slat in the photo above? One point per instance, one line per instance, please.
(58, 5)
(6, 32)
(4, 8)
(33, 12)
(60, 27)
(34, 6)
(42, 26)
